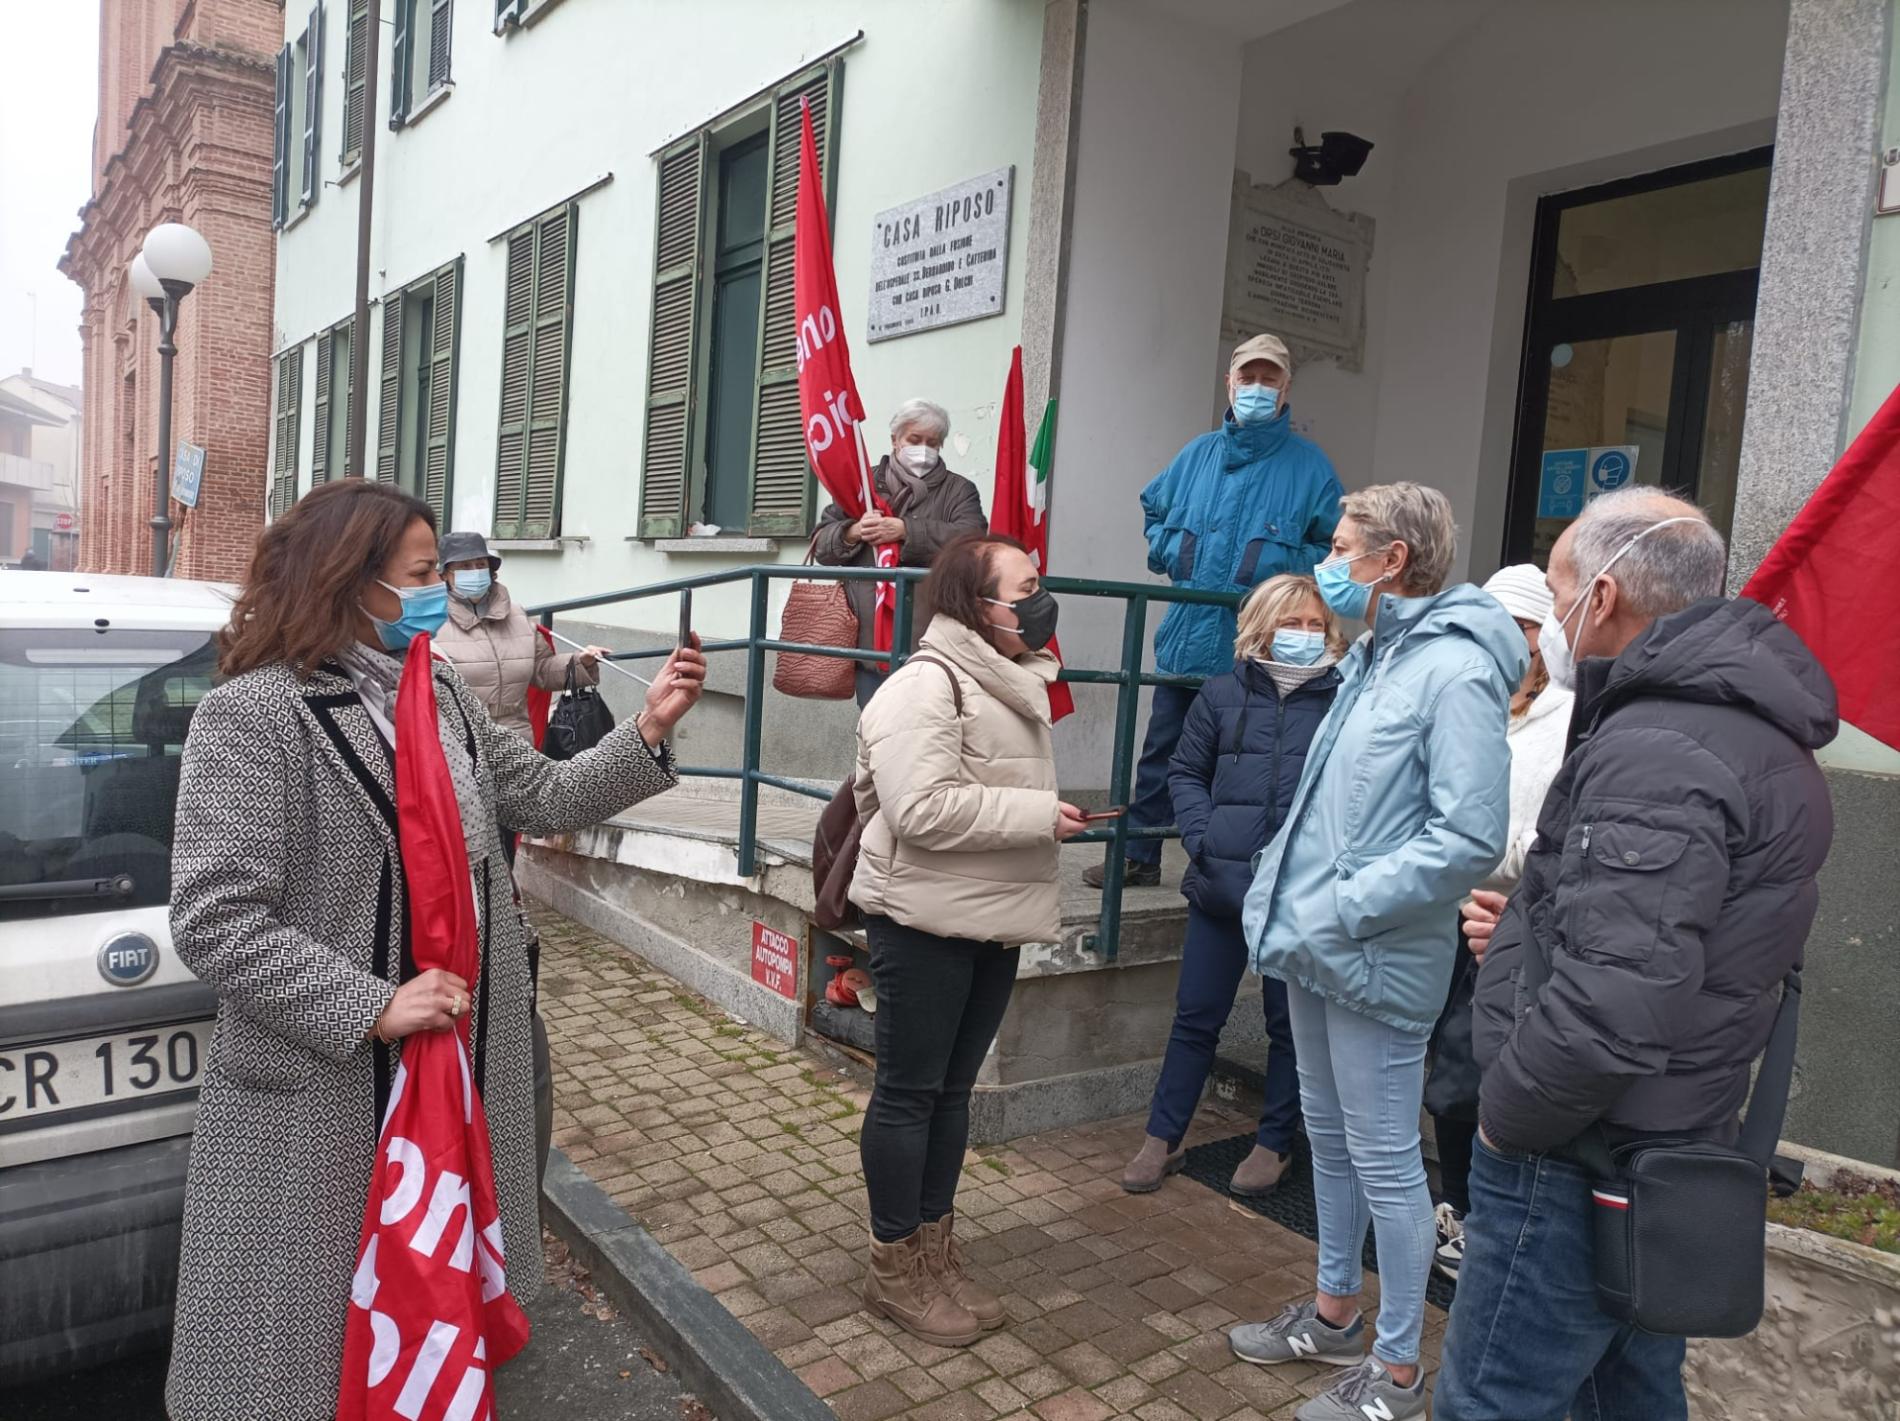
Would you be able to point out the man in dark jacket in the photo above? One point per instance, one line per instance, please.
(1670, 891)
(930, 508)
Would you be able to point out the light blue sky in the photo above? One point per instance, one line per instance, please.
(49, 93)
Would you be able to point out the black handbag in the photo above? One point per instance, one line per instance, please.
(580, 722)
(1680, 1226)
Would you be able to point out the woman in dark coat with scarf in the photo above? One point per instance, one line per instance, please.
(930, 508)
(1232, 780)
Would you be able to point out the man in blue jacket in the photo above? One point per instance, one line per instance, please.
(1240, 505)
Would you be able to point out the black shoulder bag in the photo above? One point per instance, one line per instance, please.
(1681, 1225)
(580, 722)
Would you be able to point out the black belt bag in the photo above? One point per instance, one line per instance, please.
(1681, 1224)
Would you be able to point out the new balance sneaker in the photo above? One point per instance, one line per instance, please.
(1451, 1242)
(1367, 1393)
(1299, 1334)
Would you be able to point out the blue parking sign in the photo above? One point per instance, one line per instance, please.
(188, 472)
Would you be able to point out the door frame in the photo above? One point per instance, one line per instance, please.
(1695, 308)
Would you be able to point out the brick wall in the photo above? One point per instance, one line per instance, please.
(190, 141)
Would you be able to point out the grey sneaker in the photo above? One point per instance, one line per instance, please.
(1299, 1335)
(1367, 1393)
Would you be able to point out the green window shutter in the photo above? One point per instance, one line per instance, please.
(320, 451)
(284, 463)
(280, 148)
(517, 349)
(441, 28)
(438, 473)
(355, 71)
(312, 104)
(389, 393)
(399, 66)
(673, 340)
(782, 494)
(547, 390)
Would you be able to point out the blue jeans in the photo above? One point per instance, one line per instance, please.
(1152, 807)
(1527, 1341)
(1213, 960)
(1360, 1085)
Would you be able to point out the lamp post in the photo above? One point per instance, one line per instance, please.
(173, 260)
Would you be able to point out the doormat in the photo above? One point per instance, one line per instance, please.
(1290, 1204)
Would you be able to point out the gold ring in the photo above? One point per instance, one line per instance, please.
(455, 1006)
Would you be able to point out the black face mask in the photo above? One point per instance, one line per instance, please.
(1035, 618)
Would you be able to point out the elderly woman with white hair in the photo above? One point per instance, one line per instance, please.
(930, 508)
(1402, 809)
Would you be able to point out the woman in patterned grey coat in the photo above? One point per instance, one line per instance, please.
(288, 898)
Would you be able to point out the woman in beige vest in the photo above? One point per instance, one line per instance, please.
(956, 789)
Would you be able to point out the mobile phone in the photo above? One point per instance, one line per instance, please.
(1114, 813)
(686, 617)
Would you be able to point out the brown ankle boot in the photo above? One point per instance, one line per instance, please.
(946, 1260)
(1152, 1165)
(902, 1285)
(1259, 1172)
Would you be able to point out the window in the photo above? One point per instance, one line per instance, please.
(311, 119)
(723, 439)
(355, 72)
(283, 484)
(415, 438)
(510, 14)
(420, 54)
(538, 311)
(330, 448)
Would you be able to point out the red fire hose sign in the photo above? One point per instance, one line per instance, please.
(774, 960)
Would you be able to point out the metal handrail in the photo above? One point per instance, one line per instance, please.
(1129, 678)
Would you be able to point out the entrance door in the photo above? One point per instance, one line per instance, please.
(1636, 346)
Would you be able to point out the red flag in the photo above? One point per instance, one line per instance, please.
(540, 701)
(1815, 578)
(430, 1313)
(1011, 512)
(827, 393)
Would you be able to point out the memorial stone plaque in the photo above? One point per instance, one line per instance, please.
(1297, 268)
(941, 259)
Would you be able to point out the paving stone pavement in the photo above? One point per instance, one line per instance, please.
(740, 1155)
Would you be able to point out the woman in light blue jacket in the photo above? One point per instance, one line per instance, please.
(1404, 806)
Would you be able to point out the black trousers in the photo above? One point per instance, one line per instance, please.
(940, 1001)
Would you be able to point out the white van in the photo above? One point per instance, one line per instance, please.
(102, 1030)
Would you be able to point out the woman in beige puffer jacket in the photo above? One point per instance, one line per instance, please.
(956, 791)
(491, 641)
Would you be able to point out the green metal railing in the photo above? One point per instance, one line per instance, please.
(1128, 679)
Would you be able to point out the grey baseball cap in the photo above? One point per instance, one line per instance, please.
(463, 547)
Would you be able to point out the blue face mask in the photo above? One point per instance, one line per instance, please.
(472, 583)
(1255, 404)
(424, 610)
(1298, 648)
(1339, 591)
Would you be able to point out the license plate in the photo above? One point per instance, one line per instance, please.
(59, 1076)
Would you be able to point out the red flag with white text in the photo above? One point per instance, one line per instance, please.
(540, 702)
(827, 393)
(1016, 510)
(430, 1315)
(1824, 576)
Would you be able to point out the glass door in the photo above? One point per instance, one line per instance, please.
(1637, 343)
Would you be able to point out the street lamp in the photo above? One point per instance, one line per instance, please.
(174, 259)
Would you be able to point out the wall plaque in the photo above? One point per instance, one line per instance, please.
(941, 259)
(1297, 268)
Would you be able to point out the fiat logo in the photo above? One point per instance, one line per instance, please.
(128, 959)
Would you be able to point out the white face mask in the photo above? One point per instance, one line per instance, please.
(1553, 643)
(918, 458)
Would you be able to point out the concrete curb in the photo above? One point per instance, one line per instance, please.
(716, 1357)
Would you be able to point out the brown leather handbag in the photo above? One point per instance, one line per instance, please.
(834, 847)
(819, 614)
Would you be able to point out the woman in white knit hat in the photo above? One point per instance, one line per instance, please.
(1539, 729)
